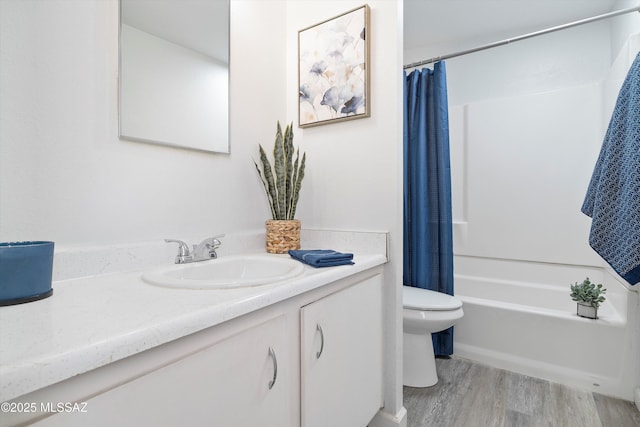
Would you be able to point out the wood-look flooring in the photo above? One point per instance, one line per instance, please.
(469, 394)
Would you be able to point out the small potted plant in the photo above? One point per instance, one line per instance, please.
(588, 295)
(282, 183)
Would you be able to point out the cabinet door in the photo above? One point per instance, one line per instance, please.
(342, 357)
(227, 384)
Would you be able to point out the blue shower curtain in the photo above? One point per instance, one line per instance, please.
(428, 246)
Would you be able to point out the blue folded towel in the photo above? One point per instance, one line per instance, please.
(613, 197)
(322, 257)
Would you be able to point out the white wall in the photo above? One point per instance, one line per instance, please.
(354, 175)
(353, 166)
(65, 175)
(553, 61)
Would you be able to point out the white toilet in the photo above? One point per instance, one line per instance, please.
(424, 313)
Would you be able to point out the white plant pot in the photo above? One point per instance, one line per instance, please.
(586, 310)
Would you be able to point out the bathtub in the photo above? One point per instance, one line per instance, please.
(531, 327)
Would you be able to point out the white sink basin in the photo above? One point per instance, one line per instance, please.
(226, 272)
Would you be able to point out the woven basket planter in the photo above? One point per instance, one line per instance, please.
(282, 235)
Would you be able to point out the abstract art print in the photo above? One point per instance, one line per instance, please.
(333, 69)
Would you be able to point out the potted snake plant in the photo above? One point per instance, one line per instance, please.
(282, 182)
(588, 295)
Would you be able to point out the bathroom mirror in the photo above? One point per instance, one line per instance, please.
(174, 73)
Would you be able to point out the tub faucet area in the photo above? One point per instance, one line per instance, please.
(203, 251)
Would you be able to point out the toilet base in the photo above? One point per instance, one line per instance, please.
(419, 362)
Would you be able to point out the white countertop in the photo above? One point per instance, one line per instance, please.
(93, 321)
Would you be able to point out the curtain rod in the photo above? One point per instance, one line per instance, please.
(525, 36)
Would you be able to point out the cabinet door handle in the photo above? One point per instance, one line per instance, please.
(319, 329)
(275, 368)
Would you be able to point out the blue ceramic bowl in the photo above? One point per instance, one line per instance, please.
(25, 271)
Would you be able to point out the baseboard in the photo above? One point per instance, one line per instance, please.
(385, 419)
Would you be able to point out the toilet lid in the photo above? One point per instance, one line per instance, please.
(424, 299)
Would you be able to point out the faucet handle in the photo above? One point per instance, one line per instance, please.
(214, 243)
(211, 244)
(183, 250)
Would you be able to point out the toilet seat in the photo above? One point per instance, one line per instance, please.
(427, 300)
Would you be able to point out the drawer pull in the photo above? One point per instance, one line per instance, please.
(275, 368)
(319, 329)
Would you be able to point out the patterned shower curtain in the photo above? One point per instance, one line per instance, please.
(428, 241)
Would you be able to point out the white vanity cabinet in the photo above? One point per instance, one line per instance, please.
(242, 381)
(341, 357)
(311, 360)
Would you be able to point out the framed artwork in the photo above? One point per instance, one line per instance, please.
(333, 69)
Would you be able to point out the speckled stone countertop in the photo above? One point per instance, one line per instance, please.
(93, 321)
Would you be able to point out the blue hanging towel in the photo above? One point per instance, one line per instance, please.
(322, 257)
(613, 196)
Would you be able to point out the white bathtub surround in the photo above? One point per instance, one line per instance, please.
(519, 236)
(519, 316)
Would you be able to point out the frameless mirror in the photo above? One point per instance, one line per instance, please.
(174, 73)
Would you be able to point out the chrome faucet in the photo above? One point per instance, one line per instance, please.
(201, 252)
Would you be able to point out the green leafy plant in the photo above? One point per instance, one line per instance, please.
(588, 293)
(283, 181)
